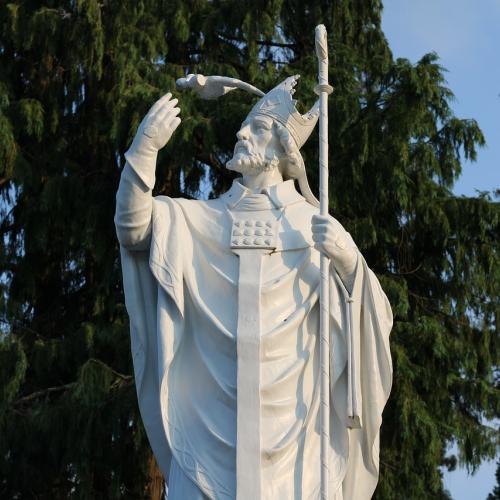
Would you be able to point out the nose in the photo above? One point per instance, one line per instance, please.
(243, 132)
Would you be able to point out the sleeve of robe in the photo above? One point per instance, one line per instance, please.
(370, 322)
(136, 213)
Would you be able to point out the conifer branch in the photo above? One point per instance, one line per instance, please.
(64, 387)
(264, 43)
(43, 392)
(413, 271)
(17, 322)
(395, 136)
(114, 372)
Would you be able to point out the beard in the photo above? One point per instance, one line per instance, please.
(245, 161)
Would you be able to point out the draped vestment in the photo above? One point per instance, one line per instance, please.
(181, 294)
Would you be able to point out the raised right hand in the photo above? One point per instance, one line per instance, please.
(157, 126)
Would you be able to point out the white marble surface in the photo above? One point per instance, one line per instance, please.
(224, 326)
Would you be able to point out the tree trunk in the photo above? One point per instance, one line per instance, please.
(155, 489)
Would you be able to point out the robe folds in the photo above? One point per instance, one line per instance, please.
(182, 298)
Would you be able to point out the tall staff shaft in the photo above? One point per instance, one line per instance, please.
(324, 89)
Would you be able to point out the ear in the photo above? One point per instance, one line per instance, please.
(291, 166)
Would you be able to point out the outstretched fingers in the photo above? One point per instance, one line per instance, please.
(175, 123)
(159, 103)
(168, 112)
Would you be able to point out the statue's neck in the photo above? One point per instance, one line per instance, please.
(262, 179)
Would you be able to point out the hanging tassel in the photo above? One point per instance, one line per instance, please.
(353, 399)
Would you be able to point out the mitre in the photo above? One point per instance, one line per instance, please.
(277, 104)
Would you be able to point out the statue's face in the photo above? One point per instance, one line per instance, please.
(258, 148)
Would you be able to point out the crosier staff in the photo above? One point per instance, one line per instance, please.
(323, 89)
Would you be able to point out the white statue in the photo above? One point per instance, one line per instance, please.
(223, 303)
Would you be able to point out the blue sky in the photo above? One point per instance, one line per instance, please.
(466, 36)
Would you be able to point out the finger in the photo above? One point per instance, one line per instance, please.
(319, 228)
(171, 113)
(164, 114)
(168, 105)
(159, 103)
(175, 123)
(166, 121)
(320, 219)
(169, 108)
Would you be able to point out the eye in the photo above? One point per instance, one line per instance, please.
(261, 127)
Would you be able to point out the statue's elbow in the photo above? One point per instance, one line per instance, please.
(133, 238)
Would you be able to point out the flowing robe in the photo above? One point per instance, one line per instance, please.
(181, 287)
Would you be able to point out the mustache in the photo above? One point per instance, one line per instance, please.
(245, 145)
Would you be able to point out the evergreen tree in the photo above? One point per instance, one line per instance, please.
(77, 76)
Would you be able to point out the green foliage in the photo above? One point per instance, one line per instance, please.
(76, 77)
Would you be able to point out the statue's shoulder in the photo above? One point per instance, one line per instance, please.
(303, 211)
(200, 206)
(299, 214)
(196, 213)
(190, 204)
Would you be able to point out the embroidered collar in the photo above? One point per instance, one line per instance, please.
(281, 194)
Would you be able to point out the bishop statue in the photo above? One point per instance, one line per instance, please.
(223, 300)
